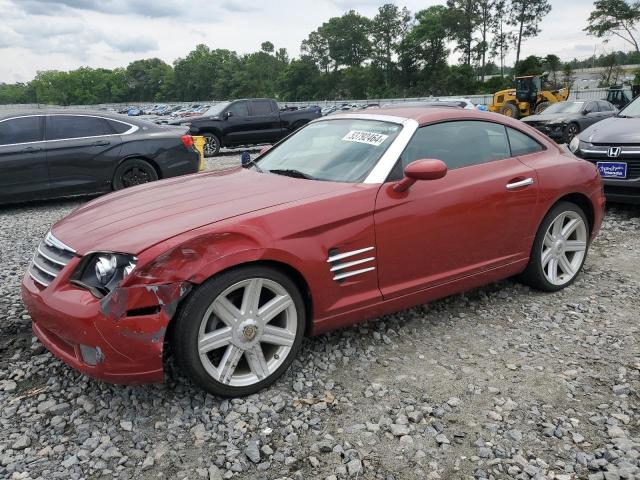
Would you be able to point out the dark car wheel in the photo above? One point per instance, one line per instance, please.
(133, 172)
(510, 110)
(572, 130)
(239, 332)
(211, 145)
(559, 249)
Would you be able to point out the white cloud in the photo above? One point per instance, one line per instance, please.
(66, 34)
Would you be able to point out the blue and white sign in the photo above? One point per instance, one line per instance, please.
(612, 169)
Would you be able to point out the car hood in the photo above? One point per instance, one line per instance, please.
(548, 117)
(613, 130)
(137, 218)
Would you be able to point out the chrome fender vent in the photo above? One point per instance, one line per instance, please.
(343, 263)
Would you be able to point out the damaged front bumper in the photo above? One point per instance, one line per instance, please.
(118, 338)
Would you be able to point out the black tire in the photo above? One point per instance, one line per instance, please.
(185, 338)
(211, 145)
(132, 172)
(572, 130)
(542, 106)
(534, 274)
(510, 110)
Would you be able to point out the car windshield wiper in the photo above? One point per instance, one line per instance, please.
(292, 173)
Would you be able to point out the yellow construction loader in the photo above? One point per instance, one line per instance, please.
(528, 98)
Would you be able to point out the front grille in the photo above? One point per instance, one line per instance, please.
(628, 154)
(49, 260)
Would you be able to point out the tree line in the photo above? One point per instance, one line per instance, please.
(396, 53)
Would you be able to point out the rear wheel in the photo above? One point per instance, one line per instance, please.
(240, 331)
(133, 172)
(559, 249)
(510, 110)
(211, 145)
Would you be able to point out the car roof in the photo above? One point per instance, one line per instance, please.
(77, 111)
(429, 114)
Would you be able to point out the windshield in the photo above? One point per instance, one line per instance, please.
(216, 109)
(631, 110)
(339, 150)
(564, 107)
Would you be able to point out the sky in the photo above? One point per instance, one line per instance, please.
(66, 34)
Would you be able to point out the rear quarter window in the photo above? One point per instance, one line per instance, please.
(522, 144)
(118, 127)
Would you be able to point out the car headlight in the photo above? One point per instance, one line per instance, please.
(102, 272)
(574, 144)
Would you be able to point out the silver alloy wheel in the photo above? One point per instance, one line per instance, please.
(564, 248)
(247, 332)
(210, 145)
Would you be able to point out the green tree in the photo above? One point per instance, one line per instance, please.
(348, 39)
(388, 28)
(531, 65)
(300, 80)
(316, 47)
(462, 19)
(502, 39)
(145, 78)
(487, 20)
(424, 52)
(568, 76)
(553, 64)
(526, 15)
(615, 18)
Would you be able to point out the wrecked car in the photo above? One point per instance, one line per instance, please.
(353, 216)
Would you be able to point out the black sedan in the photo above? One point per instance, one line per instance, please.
(564, 120)
(56, 153)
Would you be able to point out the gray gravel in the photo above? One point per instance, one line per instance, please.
(500, 382)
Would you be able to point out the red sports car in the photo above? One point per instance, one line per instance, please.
(351, 217)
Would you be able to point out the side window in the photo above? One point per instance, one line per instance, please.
(261, 107)
(458, 144)
(118, 127)
(21, 130)
(604, 106)
(522, 144)
(75, 126)
(591, 107)
(238, 109)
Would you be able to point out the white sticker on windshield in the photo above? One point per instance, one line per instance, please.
(370, 138)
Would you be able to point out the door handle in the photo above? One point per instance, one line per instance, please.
(32, 149)
(520, 183)
(100, 143)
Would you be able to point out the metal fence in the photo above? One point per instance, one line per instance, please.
(586, 94)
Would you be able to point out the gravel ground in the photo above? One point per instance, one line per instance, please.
(500, 382)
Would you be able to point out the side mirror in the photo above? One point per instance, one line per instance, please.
(429, 169)
(226, 115)
(265, 149)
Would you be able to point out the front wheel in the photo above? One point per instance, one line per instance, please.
(559, 249)
(211, 145)
(240, 331)
(510, 110)
(572, 130)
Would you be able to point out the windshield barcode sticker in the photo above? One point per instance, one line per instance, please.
(370, 138)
